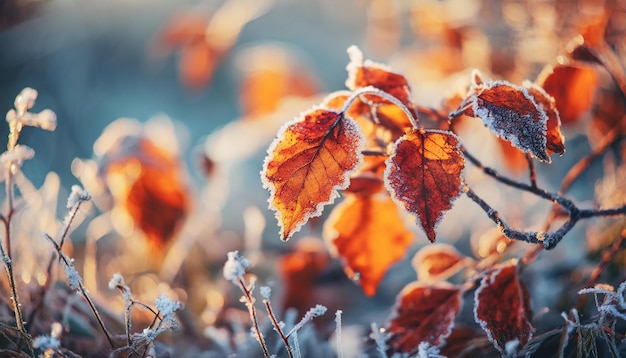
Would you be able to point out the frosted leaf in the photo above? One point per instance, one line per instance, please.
(25, 100)
(511, 113)
(235, 266)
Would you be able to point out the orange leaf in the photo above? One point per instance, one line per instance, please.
(363, 73)
(502, 307)
(513, 158)
(554, 138)
(311, 158)
(368, 233)
(511, 113)
(438, 262)
(423, 313)
(424, 175)
(153, 192)
(573, 89)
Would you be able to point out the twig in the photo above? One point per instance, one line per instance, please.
(83, 291)
(277, 327)
(531, 170)
(607, 257)
(250, 305)
(548, 239)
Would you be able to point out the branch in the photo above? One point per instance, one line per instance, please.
(370, 90)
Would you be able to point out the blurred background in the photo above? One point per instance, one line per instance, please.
(204, 87)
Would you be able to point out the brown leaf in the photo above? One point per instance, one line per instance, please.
(424, 175)
(511, 113)
(572, 87)
(554, 138)
(368, 233)
(311, 158)
(438, 262)
(502, 307)
(423, 313)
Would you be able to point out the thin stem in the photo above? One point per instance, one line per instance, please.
(276, 325)
(370, 90)
(250, 305)
(83, 291)
(608, 256)
(374, 153)
(532, 173)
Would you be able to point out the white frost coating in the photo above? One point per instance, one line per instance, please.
(17, 156)
(511, 347)
(522, 132)
(265, 292)
(73, 278)
(425, 350)
(356, 61)
(381, 340)
(46, 342)
(25, 100)
(166, 305)
(350, 129)
(621, 292)
(399, 199)
(235, 267)
(78, 195)
(316, 311)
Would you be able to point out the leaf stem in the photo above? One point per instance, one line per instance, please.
(83, 291)
(370, 90)
(276, 325)
(531, 169)
(249, 300)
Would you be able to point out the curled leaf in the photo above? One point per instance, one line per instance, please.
(364, 73)
(502, 307)
(424, 175)
(554, 138)
(368, 233)
(311, 158)
(423, 313)
(438, 262)
(511, 113)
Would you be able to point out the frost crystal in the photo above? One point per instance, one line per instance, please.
(77, 195)
(167, 306)
(73, 277)
(26, 99)
(45, 342)
(425, 350)
(316, 311)
(235, 267)
(17, 156)
(265, 292)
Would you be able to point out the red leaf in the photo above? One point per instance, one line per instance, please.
(369, 235)
(511, 113)
(438, 262)
(424, 175)
(307, 163)
(423, 313)
(502, 307)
